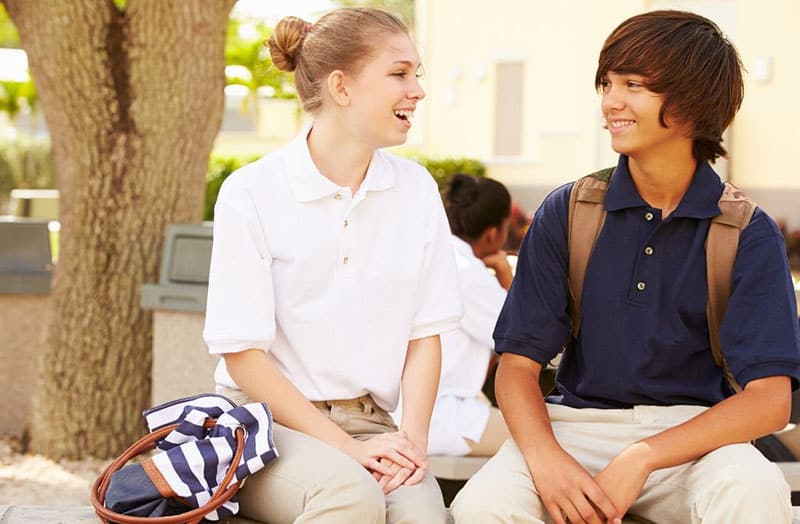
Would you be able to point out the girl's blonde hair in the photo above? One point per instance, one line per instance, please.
(343, 39)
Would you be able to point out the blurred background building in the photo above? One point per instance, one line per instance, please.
(511, 83)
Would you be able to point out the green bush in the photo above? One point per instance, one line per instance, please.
(442, 169)
(26, 164)
(219, 167)
(29, 164)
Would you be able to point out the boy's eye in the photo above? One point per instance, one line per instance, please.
(634, 84)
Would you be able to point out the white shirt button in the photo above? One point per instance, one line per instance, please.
(648, 250)
(640, 286)
(648, 216)
(345, 260)
(337, 196)
(346, 223)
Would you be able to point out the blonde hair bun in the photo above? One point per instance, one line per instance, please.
(286, 42)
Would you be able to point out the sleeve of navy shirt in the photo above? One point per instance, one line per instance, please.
(760, 334)
(534, 321)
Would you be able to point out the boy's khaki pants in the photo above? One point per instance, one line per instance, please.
(314, 482)
(734, 484)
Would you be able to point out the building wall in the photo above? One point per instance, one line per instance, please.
(765, 131)
(461, 44)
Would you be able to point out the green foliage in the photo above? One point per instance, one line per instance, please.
(29, 164)
(244, 46)
(404, 8)
(14, 96)
(442, 169)
(9, 37)
(25, 164)
(219, 168)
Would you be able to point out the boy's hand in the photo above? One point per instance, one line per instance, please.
(570, 494)
(624, 477)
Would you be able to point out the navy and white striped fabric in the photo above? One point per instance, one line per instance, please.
(194, 459)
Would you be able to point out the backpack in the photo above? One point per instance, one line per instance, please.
(587, 215)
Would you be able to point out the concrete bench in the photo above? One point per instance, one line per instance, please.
(68, 515)
(454, 468)
(85, 515)
(443, 467)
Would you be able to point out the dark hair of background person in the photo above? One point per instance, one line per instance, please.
(474, 205)
(685, 57)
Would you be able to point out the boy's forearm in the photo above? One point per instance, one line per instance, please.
(762, 408)
(522, 404)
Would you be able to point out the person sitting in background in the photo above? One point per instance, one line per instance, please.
(463, 421)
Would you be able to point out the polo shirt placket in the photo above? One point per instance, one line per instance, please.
(643, 268)
(346, 262)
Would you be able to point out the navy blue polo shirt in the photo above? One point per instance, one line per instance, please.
(644, 333)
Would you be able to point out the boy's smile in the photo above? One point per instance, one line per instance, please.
(632, 116)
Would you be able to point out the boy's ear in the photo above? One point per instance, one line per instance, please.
(337, 88)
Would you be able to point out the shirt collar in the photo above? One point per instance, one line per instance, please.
(699, 201)
(462, 248)
(309, 184)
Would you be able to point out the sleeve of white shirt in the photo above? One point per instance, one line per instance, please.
(483, 300)
(439, 308)
(240, 311)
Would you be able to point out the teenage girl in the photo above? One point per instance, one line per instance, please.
(332, 276)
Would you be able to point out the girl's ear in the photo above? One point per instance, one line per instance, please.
(490, 234)
(337, 88)
(484, 244)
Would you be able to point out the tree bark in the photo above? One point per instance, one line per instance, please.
(133, 99)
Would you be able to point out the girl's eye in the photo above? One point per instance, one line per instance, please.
(401, 74)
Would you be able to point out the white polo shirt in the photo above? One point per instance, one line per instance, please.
(458, 412)
(331, 285)
(466, 351)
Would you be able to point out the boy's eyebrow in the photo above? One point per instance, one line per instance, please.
(405, 62)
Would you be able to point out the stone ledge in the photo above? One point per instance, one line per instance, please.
(84, 515)
(68, 515)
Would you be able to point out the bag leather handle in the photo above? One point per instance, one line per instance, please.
(223, 493)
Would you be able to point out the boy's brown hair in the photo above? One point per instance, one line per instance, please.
(685, 57)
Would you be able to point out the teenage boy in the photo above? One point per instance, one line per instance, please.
(643, 421)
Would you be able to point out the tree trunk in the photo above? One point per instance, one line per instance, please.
(133, 99)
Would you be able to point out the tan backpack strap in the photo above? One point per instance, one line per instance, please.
(722, 244)
(586, 217)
